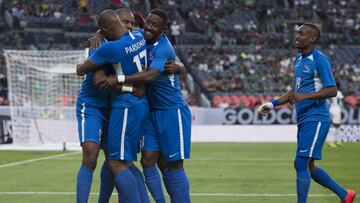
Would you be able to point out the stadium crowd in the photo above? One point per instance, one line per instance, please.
(238, 52)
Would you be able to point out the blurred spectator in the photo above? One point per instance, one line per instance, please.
(175, 32)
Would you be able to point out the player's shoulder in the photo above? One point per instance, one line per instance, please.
(131, 37)
(139, 31)
(320, 56)
(164, 45)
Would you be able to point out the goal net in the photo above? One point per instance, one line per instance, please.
(43, 89)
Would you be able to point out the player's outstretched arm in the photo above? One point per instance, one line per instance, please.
(100, 77)
(138, 91)
(265, 108)
(86, 67)
(140, 78)
(174, 67)
(324, 93)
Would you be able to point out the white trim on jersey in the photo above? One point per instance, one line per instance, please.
(172, 79)
(122, 143)
(181, 134)
(131, 35)
(315, 139)
(83, 123)
(311, 57)
(317, 82)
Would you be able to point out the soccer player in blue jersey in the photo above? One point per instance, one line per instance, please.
(168, 131)
(129, 112)
(313, 84)
(92, 110)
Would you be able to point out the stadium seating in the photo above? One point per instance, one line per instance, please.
(239, 53)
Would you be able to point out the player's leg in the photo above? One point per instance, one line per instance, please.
(85, 174)
(124, 133)
(337, 134)
(161, 163)
(302, 178)
(318, 174)
(175, 141)
(90, 121)
(307, 137)
(106, 176)
(149, 156)
(335, 113)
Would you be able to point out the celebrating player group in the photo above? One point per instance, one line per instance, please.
(131, 102)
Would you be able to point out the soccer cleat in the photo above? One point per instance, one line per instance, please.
(350, 196)
(339, 144)
(332, 144)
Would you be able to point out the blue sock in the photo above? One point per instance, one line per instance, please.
(302, 179)
(106, 184)
(141, 184)
(166, 180)
(153, 182)
(83, 186)
(320, 176)
(180, 187)
(126, 183)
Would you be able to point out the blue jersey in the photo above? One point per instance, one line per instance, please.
(165, 91)
(128, 53)
(89, 94)
(312, 72)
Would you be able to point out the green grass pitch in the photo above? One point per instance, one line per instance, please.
(218, 172)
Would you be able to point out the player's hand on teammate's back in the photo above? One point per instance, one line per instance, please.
(95, 41)
(139, 91)
(265, 108)
(172, 67)
(108, 84)
(99, 77)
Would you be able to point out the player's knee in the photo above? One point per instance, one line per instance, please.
(117, 166)
(147, 161)
(90, 163)
(161, 163)
(312, 166)
(172, 165)
(149, 158)
(301, 163)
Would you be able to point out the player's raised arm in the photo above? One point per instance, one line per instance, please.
(95, 41)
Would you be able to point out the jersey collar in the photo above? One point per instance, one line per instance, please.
(308, 54)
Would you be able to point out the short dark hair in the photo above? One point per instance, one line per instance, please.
(315, 29)
(120, 10)
(139, 20)
(160, 13)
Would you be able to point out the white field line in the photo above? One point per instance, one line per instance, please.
(202, 159)
(192, 194)
(37, 159)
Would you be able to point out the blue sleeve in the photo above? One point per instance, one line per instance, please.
(324, 70)
(142, 32)
(105, 54)
(159, 58)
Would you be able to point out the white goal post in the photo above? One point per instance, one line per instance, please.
(43, 90)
